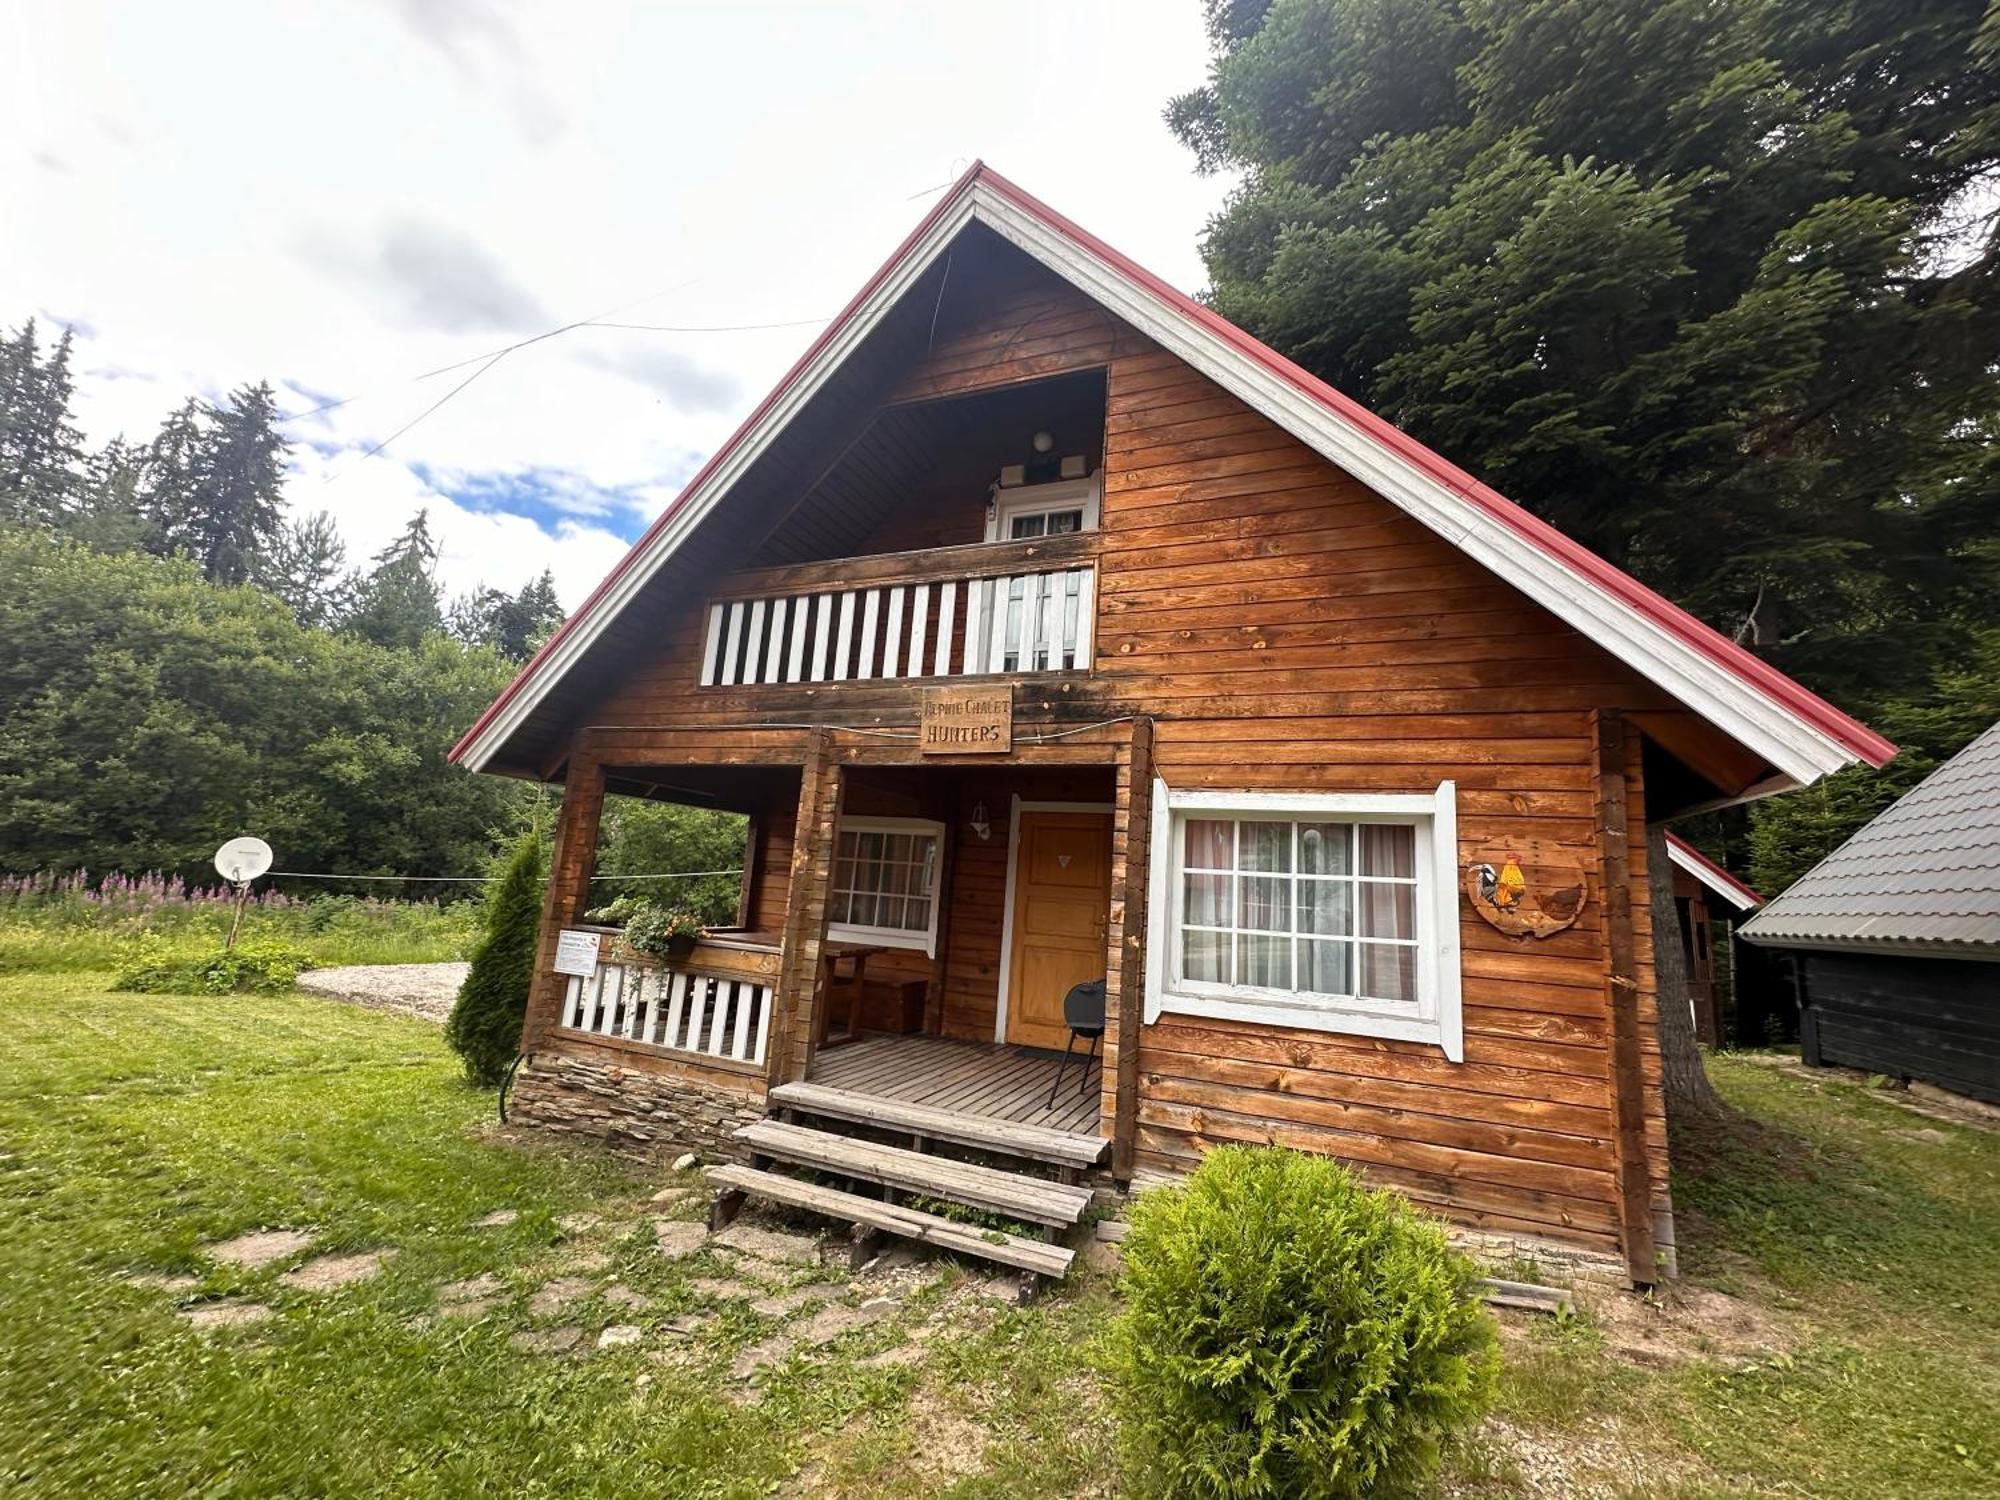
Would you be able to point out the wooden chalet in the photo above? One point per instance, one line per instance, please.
(1697, 878)
(1049, 628)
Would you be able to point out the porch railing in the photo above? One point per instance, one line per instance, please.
(1010, 616)
(678, 1009)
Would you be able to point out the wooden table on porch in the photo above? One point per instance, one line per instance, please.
(834, 955)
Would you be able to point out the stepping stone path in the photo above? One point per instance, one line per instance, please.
(723, 1291)
(625, 1297)
(158, 1283)
(546, 1340)
(326, 1272)
(577, 1223)
(206, 1317)
(889, 1359)
(619, 1334)
(557, 1295)
(469, 1299)
(784, 1304)
(259, 1248)
(500, 1218)
(670, 1197)
(678, 1238)
(823, 1327)
(768, 1244)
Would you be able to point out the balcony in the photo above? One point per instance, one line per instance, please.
(982, 610)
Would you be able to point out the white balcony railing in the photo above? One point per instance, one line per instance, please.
(673, 1009)
(1030, 621)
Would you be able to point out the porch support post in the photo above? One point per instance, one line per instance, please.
(571, 865)
(1125, 957)
(1613, 748)
(799, 966)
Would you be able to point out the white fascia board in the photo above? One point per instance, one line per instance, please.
(1706, 876)
(1785, 741)
(691, 510)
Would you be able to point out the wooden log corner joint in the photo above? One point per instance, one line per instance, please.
(967, 720)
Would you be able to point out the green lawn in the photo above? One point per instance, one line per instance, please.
(135, 1129)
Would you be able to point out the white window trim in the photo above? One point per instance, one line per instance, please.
(1439, 1019)
(1033, 499)
(924, 942)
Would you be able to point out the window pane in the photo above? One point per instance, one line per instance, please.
(1388, 911)
(927, 871)
(1063, 521)
(1205, 955)
(1389, 849)
(1326, 968)
(1325, 848)
(1024, 527)
(1325, 906)
(1208, 844)
(918, 917)
(889, 913)
(1266, 902)
(1207, 901)
(1264, 846)
(837, 908)
(1388, 973)
(1265, 962)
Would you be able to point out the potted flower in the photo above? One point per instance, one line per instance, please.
(656, 931)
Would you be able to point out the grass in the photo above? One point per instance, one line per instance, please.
(77, 937)
(135, 1129)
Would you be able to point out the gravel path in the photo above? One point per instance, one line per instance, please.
(422, 990)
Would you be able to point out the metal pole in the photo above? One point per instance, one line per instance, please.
(242, 898)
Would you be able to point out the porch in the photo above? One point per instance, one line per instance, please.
(983, 1080)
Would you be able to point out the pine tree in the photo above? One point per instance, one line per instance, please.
(107, 515)
(172, 477)
(485, 1024)
(306, 566)
(41, 450)
(514, 625)
(242, 506)
(396, 604)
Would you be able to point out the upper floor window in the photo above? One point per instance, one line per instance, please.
(1328, 912)
(1027, 511)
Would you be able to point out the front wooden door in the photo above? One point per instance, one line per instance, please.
(1062, 906)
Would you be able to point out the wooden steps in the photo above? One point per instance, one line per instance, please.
(908, 1223)
(1031, 1142)
(1014, 1194)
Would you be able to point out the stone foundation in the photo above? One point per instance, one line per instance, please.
(643, 1115)
(1554, 1263)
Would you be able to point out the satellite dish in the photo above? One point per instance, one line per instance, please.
(241, 861)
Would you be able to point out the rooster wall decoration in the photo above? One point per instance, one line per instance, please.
(1527, 889)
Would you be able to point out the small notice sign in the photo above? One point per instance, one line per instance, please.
(967, 721)
(576, 952)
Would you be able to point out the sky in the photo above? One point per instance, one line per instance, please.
(346, 198)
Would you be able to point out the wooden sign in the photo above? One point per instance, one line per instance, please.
(1528, 888)
(966, 721)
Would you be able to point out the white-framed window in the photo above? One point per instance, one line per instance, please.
(1033, 510)
(1327, 911)
(884, 888)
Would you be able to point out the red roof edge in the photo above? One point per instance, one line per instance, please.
(1719, 875)
(1725, 653)
(1846, 731)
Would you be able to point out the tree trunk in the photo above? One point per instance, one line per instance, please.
(1689, 1094)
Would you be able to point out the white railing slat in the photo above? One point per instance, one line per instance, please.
(712, 652)
(753, 644)
(795, 668)
(673, 1009)
(947, 603)
(843, 634)
(822, 635)
(732, 641)
(920, 616)
(774, 655)
(763, 992)
(738, 1043)
(892, 643)
(1086, 612)
(864, 650)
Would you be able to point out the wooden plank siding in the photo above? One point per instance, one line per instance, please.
(1284, 629)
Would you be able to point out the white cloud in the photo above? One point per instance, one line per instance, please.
(473, 171)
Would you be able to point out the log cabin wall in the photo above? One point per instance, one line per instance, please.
(1288, 629)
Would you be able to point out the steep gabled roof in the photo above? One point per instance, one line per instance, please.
(1923, 877)
(1711, 874)
(1798, 734)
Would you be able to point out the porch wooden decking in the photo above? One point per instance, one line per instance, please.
(985, 1079)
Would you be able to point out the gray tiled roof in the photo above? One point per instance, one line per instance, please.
(1924, 876)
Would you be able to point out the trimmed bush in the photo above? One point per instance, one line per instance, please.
(485, 1024)
(152, 969)
(1291, 1332)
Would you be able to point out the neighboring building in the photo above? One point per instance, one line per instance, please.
(1895, 936)
(1696, 877)
(1049, 628)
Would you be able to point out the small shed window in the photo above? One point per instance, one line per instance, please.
(884, 887)
(1333, 913)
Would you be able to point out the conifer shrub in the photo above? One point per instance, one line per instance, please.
(1290, 1332)
(485, 1024)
